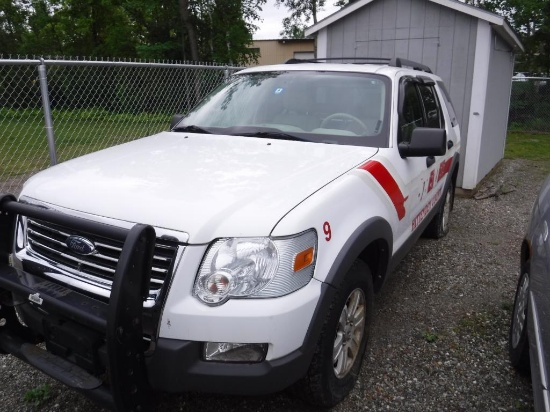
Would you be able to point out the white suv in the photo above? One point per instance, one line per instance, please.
(240, 251)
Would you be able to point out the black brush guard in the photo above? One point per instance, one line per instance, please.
(119, 321)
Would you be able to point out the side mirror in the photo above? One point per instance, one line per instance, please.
(425, 141)
(175, 120)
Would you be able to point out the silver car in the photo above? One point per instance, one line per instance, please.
(529, 340)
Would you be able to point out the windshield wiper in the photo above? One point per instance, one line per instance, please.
(272, 135)
(191, 128)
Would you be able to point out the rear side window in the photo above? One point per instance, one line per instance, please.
(432, 108)
(450, 106)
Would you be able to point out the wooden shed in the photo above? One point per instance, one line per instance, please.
(471, 49)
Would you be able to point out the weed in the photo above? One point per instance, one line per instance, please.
(475, 324)
(38, 395)
(430, 337)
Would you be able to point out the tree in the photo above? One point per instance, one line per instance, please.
(344, 3)
(219, 30)
(213, 30)
(13, 14)
(301, 12)
(530, 20)
(293, 29)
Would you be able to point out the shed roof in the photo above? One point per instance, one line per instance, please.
(499, 23)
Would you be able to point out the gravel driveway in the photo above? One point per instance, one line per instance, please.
(439, 339)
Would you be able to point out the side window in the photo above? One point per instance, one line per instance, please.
(412, 116)
(450, 107)
(434, 117)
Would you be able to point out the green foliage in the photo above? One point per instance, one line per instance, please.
(77, 132)
(293, 29)
(301, 12)
(430, 337)
(38, 395)
(531, 146)
(206, 30)
(13, 15)
(531, 21)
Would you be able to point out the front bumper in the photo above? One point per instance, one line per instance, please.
(77, 326)
(111, 333)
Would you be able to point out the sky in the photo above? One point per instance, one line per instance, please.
(272, 17)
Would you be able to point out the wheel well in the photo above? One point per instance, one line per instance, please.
(376, 257)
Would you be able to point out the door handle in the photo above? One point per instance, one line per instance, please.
(450, 144)
(430, 160)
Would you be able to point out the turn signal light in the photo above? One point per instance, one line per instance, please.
(303, 259)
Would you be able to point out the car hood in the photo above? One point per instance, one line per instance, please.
(208, 186)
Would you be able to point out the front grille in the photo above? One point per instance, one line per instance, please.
(49, 241)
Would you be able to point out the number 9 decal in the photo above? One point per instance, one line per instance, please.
(327, 231)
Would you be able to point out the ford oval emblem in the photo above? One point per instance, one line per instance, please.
(80, 245)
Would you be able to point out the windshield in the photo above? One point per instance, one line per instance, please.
(329, 107)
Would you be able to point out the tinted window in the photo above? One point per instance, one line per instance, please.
(412, 116)
(431, 106)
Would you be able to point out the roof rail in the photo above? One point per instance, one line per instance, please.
(399, 62)
(372, 60)
(394, 62)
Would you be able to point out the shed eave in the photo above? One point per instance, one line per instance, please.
(509, 36)
(499, 23)
(336, 16)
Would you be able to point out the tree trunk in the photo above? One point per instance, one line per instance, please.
(191, 33)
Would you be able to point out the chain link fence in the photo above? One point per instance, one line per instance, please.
(530, 105)
(55, 110)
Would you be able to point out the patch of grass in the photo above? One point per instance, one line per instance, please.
(38, 395)
(430, 337)
(530, 146)
(475, 324)
(24, 147)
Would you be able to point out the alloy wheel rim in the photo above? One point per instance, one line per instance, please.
(349, 333)
(520, 311)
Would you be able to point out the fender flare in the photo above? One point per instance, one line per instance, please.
(371, 230)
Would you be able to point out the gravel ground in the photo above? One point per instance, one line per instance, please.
(439, 339)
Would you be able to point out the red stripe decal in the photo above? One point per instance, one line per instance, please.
(388, 183)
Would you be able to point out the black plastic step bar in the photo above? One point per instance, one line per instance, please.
(120, 320)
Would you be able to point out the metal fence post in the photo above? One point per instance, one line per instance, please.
(226, 74)
(47, 111)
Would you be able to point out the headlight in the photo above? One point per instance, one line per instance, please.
(255, 267)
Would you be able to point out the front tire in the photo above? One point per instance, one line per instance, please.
(518, 342)
(341, 346)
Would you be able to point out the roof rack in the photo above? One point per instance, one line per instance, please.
(399, 62)
(393, 62)
(361, 59)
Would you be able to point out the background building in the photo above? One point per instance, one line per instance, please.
(280, 50)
